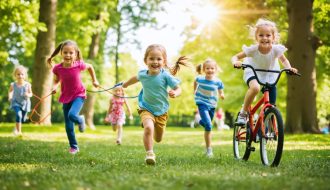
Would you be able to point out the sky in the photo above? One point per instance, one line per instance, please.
(177, 16)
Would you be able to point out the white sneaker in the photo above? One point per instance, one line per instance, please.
(242, 118)
(82, 126)
(150, 158)
(209, 152)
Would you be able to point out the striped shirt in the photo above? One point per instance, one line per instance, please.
(207, 91)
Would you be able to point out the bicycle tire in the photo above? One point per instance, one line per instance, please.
(271, 143)
(241, 139)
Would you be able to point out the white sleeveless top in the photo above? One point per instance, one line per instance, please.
(262, 61)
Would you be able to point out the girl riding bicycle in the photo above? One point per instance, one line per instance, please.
(262, 55)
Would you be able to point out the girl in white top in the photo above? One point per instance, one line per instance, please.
(262, 55)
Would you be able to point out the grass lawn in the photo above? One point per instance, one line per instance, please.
(40, 160)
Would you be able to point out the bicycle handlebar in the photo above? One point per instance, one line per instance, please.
(288, 71)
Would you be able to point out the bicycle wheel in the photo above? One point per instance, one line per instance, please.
(271, 143)
(241, 140)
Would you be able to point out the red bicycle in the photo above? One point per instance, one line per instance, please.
(267, 129)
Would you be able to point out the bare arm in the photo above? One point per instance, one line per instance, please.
(91, 71)
(176, 91)
(285, 62)
(28, 92)
(130, 81)
(56, 83)
(10, 92)
(195, 86)
(235, 60)
(221, 94)
(128, 109)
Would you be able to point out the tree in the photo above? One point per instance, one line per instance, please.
(42, 77)
(302, 45)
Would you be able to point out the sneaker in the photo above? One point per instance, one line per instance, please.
(242, 118)
(82, 126)
(73, 150)
(150, 158)
(209, 153)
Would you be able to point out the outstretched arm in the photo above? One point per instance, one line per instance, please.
(285, 62)
(176, 91)
(91, 71)
(235, 60)
(130, 81)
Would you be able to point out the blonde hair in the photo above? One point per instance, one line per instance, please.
(200, 67)
(22, 69)
(60, 47)
(183, 60)
(264, 22)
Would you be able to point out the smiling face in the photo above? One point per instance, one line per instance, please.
(209, 69)
(68, 54)
(265, 37)
(155, 61)
(118, 92)
(20, 75)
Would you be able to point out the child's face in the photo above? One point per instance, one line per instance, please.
(155, 61)
(20, 75)
(265, 36)
(118, 92)
(209, 69)
(68, 54)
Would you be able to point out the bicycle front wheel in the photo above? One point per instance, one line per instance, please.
(241, 139)
(271, 142)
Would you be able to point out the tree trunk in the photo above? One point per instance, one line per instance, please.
(42, 75)
(301, 114)
(88, 109)
(117, 51)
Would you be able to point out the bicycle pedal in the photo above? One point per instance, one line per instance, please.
(252, 148)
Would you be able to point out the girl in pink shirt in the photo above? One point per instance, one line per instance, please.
(73, 92)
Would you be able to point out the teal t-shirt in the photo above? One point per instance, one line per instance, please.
(154, 96)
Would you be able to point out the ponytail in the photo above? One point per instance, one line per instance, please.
(199, 68)
(56, 51)
(183, 60)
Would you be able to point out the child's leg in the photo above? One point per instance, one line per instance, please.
(114, 127)
(148, 125)
(253, 90)
(119, 133)
(160, 125)
(207, 138)
(75, 108)
(18, 119)
(69, 126)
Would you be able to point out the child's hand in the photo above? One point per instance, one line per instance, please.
(131, 117)
(106, 120)
(222, 96)
(294, 70)
(54, 91)
(172, 93)
(96, 83)
(237, 64)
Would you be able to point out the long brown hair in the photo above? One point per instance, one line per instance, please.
(59, 49)
(183, 60)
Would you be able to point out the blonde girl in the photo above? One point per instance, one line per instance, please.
(19, 97)
(262, 55)
(116, 114)
(153, 98)
(73, 92)
(207, 88)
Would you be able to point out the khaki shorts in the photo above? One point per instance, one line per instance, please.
(159, 121)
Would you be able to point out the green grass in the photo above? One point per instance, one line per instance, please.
(39, 160)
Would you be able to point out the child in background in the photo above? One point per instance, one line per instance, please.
(19, 96)
(207, 89)
(73, 92)
(116, 114)
(262, 55)
(153, 98)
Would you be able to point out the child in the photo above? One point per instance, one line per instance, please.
(115, 114)
(207, 88)
(73, 92)
(153, 98)
(19, 96)
(263, 55)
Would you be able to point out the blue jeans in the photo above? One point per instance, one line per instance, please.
(20, 114)
(71, 115)
(207, 115)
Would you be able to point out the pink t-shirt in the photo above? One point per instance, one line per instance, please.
(71, 84)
